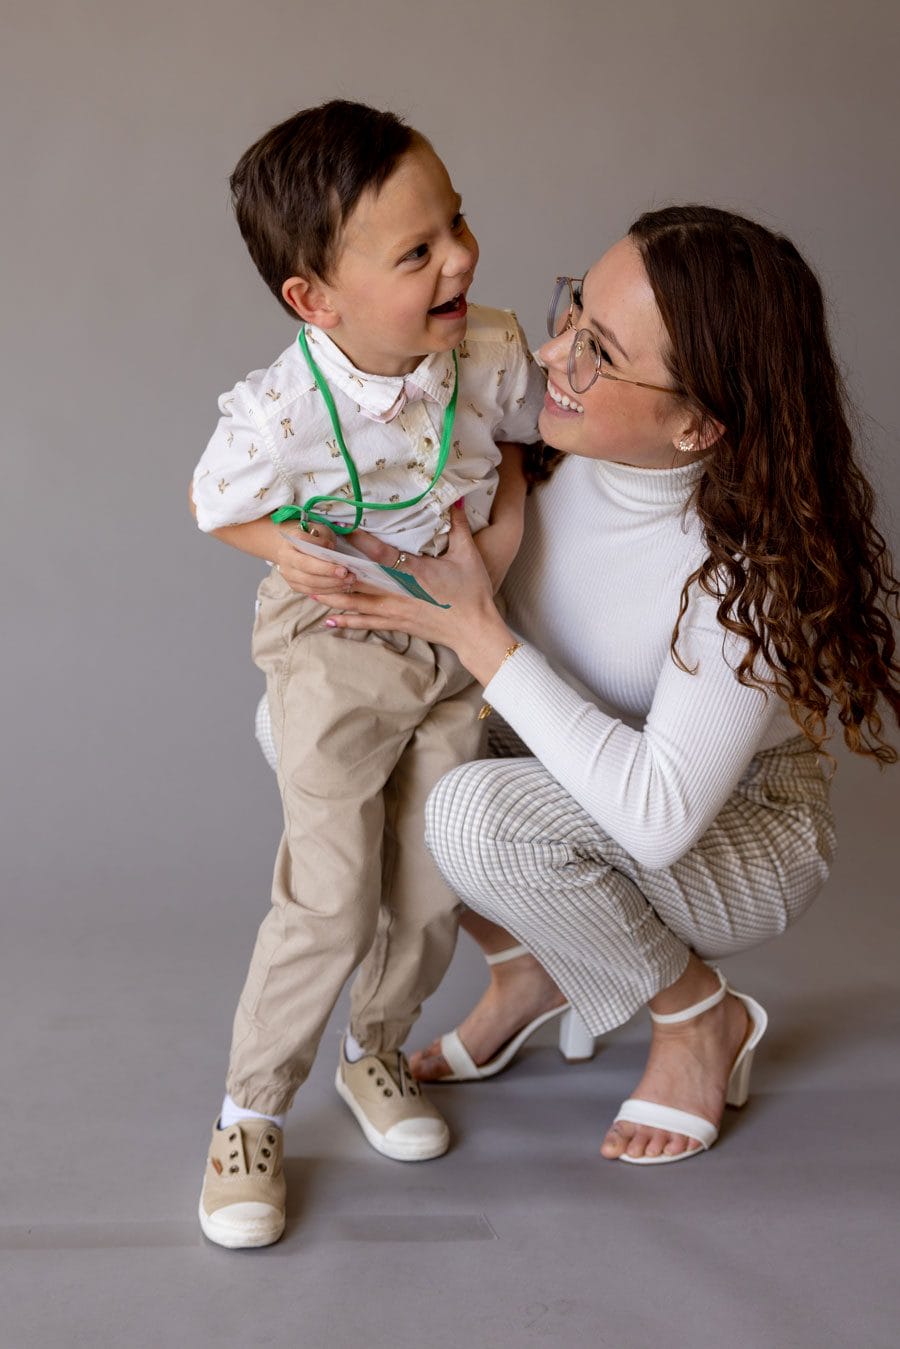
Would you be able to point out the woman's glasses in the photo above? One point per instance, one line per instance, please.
(587, 359)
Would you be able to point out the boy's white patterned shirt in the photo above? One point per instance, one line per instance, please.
(275, 446)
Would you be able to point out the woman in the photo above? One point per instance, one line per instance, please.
(700, 583)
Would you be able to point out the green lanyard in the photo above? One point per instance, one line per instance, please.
(306, 513)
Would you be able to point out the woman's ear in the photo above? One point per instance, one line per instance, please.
(309, 299)
(698, 435)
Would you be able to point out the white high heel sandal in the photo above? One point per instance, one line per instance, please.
(653, 1116)
(576, 1044)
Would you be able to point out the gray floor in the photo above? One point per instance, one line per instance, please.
(784, 1235)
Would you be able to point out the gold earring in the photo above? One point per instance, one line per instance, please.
(686, 445)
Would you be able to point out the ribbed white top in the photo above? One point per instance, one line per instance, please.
(651, 752)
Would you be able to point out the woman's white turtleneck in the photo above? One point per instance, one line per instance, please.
(649, 751)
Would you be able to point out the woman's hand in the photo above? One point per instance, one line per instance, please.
(471, 626)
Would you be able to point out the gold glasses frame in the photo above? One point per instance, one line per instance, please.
(585, 338)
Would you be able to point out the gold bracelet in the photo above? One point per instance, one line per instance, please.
(510, 651)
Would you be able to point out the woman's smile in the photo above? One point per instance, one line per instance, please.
(559, 403)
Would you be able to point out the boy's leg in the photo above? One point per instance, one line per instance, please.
(343, 709)
(340, 711)
(417, 923)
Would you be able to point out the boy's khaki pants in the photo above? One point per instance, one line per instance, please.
(365, 724)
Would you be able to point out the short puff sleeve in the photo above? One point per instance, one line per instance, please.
(522, 390)
(238, 479)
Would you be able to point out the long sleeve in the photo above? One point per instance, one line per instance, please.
(649, 750)
(655, 791)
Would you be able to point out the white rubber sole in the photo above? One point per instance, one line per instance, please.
(235, 1237)
(398, 1151)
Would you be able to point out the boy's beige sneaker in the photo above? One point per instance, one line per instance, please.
(242, 1203)
(390, 1109)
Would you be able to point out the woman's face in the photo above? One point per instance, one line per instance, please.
(614, 420)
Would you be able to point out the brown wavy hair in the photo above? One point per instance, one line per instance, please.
(797, 565)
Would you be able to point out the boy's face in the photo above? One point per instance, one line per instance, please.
(407, 260)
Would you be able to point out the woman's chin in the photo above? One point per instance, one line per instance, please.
(560, 428)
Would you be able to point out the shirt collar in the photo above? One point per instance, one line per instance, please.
(381, 397)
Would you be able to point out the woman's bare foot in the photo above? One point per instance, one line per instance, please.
(520, 990)
(688, 1066)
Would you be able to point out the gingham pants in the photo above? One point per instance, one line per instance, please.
(612, 933)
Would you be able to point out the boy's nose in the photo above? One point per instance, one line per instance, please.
(462, 258)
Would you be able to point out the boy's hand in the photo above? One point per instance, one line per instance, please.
(310, 575)
(304, 574)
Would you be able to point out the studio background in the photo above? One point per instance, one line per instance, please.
(140, 821)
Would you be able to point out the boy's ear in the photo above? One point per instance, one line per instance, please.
(309, 298)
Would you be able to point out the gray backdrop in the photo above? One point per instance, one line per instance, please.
(139, 821)
(134, 790)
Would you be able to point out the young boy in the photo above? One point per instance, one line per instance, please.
(394, 396)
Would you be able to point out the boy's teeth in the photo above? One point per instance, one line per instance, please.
(563, 400)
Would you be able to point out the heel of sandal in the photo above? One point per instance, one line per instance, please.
(738, 1089)
(576, 1043)
(739, 1082)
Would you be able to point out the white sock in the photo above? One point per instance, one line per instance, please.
(353, 1050)
(232, 1113)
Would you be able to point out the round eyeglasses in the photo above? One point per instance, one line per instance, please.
(587, 359)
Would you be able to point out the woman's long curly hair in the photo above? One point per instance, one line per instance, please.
(795, 560)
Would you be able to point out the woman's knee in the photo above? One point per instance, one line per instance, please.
(450, 815)
(481, 818)
(464, 818)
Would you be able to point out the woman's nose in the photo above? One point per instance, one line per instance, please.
(555, 351)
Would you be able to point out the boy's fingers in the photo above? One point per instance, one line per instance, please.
(318, 585)
(312, 566)
(322, 538)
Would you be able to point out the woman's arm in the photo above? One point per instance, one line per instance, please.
(657, 790)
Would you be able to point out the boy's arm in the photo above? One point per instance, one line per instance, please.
(499, 541)
(261, 538)
(237, 469)
(520, 394)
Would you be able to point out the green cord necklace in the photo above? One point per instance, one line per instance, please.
(306, 513)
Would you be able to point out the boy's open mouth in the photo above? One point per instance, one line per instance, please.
(455, 306)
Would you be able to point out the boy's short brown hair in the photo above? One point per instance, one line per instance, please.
(295, 187)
